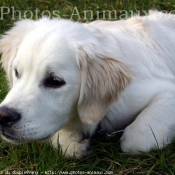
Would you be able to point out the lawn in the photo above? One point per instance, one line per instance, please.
(106, 155)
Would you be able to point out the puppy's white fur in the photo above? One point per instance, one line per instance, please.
(118, 74)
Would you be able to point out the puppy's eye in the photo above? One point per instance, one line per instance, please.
(16, 73)
(53, 82)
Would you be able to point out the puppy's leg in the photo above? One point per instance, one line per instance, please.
(153, 128)
(71, 143)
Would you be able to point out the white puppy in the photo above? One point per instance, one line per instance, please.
(71, 78)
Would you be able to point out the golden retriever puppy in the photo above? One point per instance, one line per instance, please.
(68, 78)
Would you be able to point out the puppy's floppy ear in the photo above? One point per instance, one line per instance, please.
(10, 42)
(102, 81)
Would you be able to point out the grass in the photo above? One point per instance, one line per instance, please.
(106, 155)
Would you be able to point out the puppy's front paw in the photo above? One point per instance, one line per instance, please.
(70, 146)
(75, 149)
(135, 140)
(143, 138)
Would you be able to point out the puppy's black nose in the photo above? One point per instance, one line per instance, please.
(8, 116)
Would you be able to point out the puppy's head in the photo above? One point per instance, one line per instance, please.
(57, 71)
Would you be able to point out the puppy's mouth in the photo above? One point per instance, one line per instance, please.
(45, 139)
(12, 139)
(20, 140)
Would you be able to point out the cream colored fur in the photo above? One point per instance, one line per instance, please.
(119, 75)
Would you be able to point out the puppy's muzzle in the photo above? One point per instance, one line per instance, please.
(8, 117)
